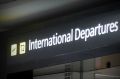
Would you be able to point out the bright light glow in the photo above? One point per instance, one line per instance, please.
(26, 9)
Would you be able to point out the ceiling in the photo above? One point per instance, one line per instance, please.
(14, 12)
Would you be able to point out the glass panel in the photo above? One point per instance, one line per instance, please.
(105, 67)
(110, 73)
(53, 76)
(108, 61)
(88, 65)
(88, 75)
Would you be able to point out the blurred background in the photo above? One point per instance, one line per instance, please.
(18, 17)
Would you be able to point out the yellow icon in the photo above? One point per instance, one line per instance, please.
(13, 49)
(22, 49)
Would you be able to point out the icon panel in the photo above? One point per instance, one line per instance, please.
(13, 49)
(22, 48)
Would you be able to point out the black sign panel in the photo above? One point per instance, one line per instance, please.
(57, 40)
